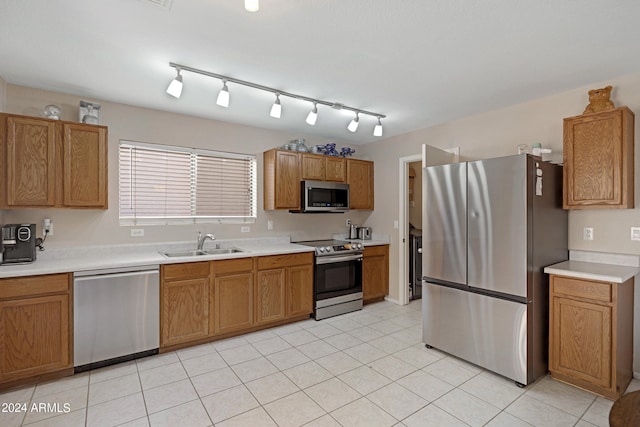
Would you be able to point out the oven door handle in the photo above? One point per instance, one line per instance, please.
(335, 259)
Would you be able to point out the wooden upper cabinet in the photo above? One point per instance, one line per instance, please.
(50, 163)
(29, 151)
(281, 180)
(335, 169)
(313, 167)
(85, 165)
(360, 180)
(599, 160)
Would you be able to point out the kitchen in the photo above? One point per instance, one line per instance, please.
(539, 120)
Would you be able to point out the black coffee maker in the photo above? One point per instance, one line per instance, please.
(18, 243)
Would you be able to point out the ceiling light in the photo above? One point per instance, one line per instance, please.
(312, 117)
(377, 130)
(276, 108)
(353, 126)
(251, 5)
(175, 87)
(223, 95)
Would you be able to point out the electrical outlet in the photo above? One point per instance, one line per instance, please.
(137, 232)
(47, 227)
(587, 233)
(245, 229)
(348, 222)
(269, 225)
(635, 233)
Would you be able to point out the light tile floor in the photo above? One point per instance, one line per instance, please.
(367, 368)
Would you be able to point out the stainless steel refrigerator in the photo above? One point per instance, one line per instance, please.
(489, 228)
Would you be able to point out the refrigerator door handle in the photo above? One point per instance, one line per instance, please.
(440, 282)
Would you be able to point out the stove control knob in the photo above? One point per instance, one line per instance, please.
(321, 250)
(328, 248)
(359, 245)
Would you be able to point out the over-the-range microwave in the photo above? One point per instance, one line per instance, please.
(321, 196)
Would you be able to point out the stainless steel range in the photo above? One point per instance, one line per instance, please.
(337, 285)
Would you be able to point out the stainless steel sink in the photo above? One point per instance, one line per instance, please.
(195, 252)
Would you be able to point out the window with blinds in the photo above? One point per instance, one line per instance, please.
(162, 184)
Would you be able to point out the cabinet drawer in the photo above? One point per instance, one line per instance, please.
(34, 285)
(185, 271)
(595, 291)
(375, 250)
(279, 261)
(232, 265)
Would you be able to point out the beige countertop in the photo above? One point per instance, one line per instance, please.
(103, 257)
(616, 268)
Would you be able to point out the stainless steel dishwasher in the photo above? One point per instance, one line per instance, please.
(116, 315)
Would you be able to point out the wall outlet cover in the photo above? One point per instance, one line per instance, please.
(137, 232)
(635, 233)
(245, 229)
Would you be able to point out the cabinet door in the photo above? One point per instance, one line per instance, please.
(299, 295)
(580, 340)
(34, 336)
(30, 162)
(335, 169)
(234, 302)
(375, 272)
(313, 167)
(185, 311)
(85, 166)
(360, 179)
(598, 160)
(287, 180)
(270, 299)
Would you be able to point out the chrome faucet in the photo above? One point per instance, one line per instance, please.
(202, 238)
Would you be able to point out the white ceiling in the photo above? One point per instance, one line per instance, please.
(420, 62)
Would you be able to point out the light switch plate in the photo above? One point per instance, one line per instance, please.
(245, 229)
(635, 233)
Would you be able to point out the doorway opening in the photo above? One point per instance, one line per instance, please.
(411, 214)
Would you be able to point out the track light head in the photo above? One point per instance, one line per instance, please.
(276, 108)
(353, 126)
(223, 95)
(312, 117)
(175, 87)
(251, 5)
(377, 130)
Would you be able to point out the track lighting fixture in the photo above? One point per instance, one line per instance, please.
(223, 95)
(353, 126)
(377, 129)
(312, 117)
(175, 87)
(251, 5)
(276, 108)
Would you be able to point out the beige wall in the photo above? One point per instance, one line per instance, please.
(94, 227)
(3, 93)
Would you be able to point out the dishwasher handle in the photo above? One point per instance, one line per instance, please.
(117, 272)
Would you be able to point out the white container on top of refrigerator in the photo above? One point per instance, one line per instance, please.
(489, 229)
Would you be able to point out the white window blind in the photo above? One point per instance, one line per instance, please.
(162, 184)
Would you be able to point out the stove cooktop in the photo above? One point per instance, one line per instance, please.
(329, 247)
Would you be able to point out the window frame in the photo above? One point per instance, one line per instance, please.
(193, 173)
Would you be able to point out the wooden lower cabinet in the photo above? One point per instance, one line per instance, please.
(203, 300)
(35, 328)
(299, 290)
(270, 296)
(590, 334)
(233, 302)
(375, 273)
(286, 288)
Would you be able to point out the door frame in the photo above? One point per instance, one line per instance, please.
(403, 215)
